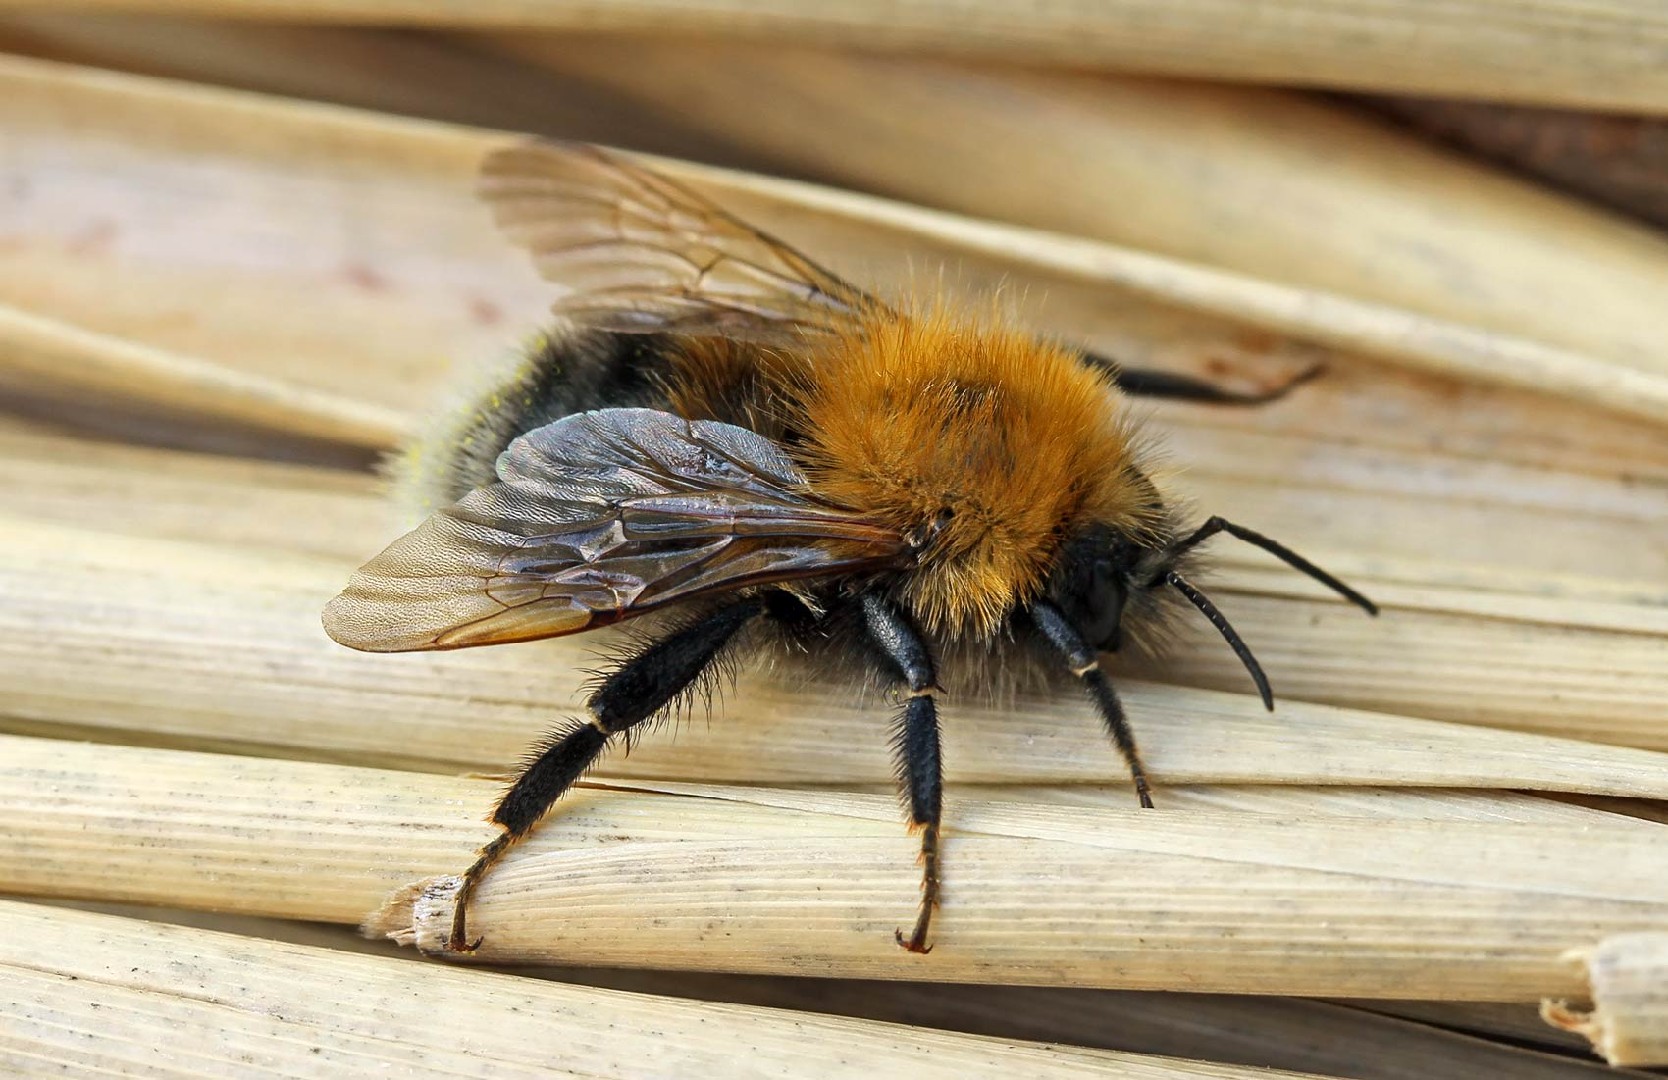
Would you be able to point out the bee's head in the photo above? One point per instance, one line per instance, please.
(1100, 572)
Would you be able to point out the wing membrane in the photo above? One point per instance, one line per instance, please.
(596, 518)
(638, 253)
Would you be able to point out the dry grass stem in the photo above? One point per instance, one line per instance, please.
(1529, 50)
(1301, 1035)
(91, 992)
(1616, 161)
(1628, 1020)
(1297, 1034)
(1290, 801)
(1215, 175)
(812, 883)
(400, 286)
(73, 360)
(365, 67)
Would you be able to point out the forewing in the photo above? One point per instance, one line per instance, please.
(595, 518)
(635, 252)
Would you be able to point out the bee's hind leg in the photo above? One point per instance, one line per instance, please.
(638, 689)
(920, 768)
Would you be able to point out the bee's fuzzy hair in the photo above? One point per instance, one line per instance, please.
(555, 374)
(994, 445)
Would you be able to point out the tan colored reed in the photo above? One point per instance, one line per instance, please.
(1276, 186)
(1615, 161)
(421, 267)
(1628, 1019)
(363, 66)
(1362, 1039)
(1532, 50)
(75, 361)
(92, 992)
(812, 883)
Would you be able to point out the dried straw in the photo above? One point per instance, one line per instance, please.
(1221, 176)
(787, 882)
(1530, 50)
(91, 992)
(1628, 1020)
(405, 288)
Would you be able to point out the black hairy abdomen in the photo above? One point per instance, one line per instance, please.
(591, 369)
(570, 371)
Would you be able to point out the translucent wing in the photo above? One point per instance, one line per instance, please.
(637, 253)
(595, 518)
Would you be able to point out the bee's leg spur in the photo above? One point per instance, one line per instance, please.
(920, 768)
(1081, 659)
(1151, 382)
(636, 690)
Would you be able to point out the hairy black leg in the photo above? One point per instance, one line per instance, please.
(638, 689)
(1081, 659)
(1214, 525)
(920, 766)
(1150, 382)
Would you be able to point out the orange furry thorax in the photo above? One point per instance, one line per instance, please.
(986, 443)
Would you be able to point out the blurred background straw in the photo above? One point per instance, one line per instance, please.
(217, 310)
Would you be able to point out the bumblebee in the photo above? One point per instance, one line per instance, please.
(722, 438)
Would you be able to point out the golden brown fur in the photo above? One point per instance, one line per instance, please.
(983, 442)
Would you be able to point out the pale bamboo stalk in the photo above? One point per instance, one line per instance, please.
(1269, 185)
(1013, 913)
(1456, 668)
(1532, 50)
(1656, 811)
(1292, 801)
(266, 237)
(208, 498)
(1305, 1036)
(812, 883)
(1616, 161)
(204, 643)
(95, 992)
(401, 299)
(359, 66)
(1628, 1021)
(1613, 160)
(1298, 1034)
(76, 360)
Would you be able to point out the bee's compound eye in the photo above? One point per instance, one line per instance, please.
(1103, 607)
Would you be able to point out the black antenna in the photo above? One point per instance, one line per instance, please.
(1235, 642)
(1280, 551)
